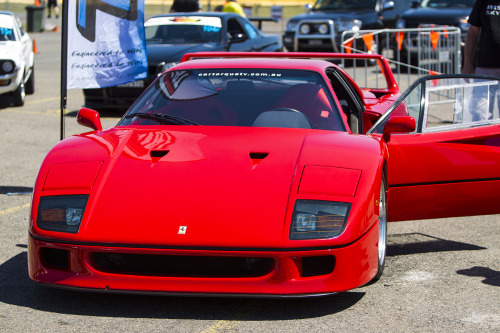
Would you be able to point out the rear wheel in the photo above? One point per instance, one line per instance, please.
(19, 95)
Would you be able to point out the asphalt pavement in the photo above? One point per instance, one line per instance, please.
(441, 275)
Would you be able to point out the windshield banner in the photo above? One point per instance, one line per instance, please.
(106, 43)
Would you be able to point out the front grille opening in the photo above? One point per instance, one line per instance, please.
(181, 266)
(320, 265)
(55, 258)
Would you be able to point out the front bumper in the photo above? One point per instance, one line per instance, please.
(10, 82)
(295, 41)
(287, 272)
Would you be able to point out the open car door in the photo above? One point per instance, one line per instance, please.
(450, 165)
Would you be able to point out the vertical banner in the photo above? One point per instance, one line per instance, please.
(106, 43)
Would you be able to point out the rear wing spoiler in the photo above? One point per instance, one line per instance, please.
(392, 86)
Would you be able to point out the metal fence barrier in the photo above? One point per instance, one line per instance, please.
(411, 52)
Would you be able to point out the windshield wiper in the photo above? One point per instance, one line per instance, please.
(162, 118)
(334, 6)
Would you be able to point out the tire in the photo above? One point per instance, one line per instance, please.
(382, 230)
(19, 95)
(30, 84)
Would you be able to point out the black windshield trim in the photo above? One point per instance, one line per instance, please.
(162, 118)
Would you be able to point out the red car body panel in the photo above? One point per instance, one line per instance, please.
(195, 159)
(459, 175)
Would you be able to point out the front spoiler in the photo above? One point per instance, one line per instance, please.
(185, 294)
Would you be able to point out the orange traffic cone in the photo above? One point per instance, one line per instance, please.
(35, 48)
(56, 29)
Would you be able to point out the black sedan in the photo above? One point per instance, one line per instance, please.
(170, 36)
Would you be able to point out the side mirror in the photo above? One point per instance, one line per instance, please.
(89, 118)
(403, 124)
(237, 38)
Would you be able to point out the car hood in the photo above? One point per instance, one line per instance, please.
(158, 53)
(226, 186)
(10, 50)
(339, 14)
(213, 189)
(436, 15)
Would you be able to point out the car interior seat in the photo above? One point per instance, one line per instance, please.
(311, 100)
(282, 117)
(204, 111)
(239, 96)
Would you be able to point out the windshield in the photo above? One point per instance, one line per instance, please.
(6, 28)
(447, 3)
(343, 4)
(183, 30)
(238, 97)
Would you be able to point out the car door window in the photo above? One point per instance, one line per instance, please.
(349, 100)
(447, 103)
(234, 28)
(460, 104)
(22, 32)
(251, 31)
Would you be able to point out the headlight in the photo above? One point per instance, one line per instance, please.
(7, 66)
(323, 29)
(356, 25)
(400, 24)
(305, 29)
(353, 25)
(313, 219)
(291, 26)
(62, 213)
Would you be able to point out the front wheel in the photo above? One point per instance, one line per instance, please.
(30, 84)
(382, 229)
(19, 95)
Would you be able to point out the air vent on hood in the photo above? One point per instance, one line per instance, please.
(156, 155)
(257, 158)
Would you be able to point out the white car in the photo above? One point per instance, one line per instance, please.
(16, 59)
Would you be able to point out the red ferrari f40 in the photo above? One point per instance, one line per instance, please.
(261, 174)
